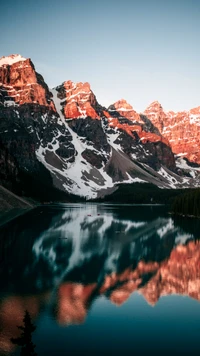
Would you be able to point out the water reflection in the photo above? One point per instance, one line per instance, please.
(63, 259)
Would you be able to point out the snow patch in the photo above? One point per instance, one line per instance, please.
(76, 172)
(10, 103)
(172, 180)
(14, 58)
(181, 163)
(195, 119)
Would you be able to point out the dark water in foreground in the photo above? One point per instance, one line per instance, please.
(102, 280)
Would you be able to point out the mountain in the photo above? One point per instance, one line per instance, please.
(181, 129)
(28, 122)
(61, 143)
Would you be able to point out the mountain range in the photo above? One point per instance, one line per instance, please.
(61, 141)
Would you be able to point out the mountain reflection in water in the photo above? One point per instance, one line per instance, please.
(65, 258)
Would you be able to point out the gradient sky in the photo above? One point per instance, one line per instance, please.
(137, 50)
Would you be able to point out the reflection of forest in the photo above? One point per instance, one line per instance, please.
(70, 259)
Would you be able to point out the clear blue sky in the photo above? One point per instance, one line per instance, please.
(137, 50)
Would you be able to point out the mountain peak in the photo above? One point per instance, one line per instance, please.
(154, 106)
(122, 105)
(21, 84)
(156, 114)
(195, 111)
(78, 100)
(69, 85)
(124, 109)
(13, 58)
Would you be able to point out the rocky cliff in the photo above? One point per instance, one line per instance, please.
(28, 119)
(181, 129)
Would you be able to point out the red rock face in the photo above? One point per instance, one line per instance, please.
(78, 99)
(126, 110)
(78, 102)
(143, 135)
(20, 84)
(121, 109)
(156, 114)
(182, 129)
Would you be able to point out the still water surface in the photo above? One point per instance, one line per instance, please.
(99, 279)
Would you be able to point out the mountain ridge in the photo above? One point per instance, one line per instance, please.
(82, 147)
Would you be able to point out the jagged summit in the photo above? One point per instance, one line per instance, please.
(155, 106)
(181, 129)
(13, 58)
(195, 111)
(121, 104)
(21, 84)
(70, 85)
(78, 100)
(77, 88)
(124, 109)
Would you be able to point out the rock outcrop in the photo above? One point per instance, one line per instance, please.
(182, 129)
(28, 120)
(78, 100)
(21, 84)
(146, 143)
(123, 109)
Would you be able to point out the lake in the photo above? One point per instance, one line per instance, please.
(101, 280)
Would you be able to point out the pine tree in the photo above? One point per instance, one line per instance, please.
(25, 339)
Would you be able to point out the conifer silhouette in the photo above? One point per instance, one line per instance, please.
(25, 339)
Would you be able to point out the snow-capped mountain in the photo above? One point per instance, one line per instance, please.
(63, 140)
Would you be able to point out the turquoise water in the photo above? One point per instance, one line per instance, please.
(101, 279)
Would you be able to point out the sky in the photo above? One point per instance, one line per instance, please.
(141, 51)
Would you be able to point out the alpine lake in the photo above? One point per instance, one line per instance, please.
(100, 279)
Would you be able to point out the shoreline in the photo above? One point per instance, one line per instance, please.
(184, 215)
(13, 206)
(12, 214)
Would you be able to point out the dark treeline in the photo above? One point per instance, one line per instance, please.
(138, 193)
(187, 204)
